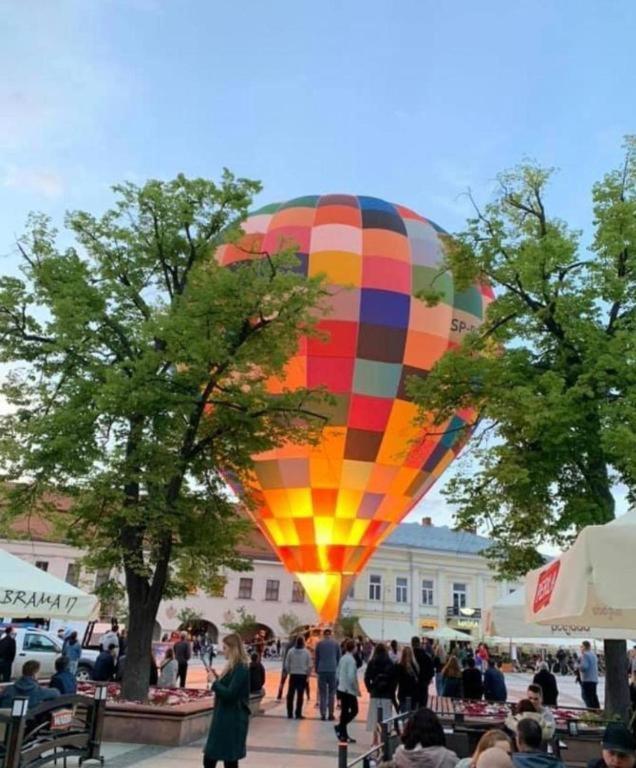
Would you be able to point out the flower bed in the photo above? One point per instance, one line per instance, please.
(157, 697)
(170, 717)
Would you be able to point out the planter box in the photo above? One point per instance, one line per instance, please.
(166, 726)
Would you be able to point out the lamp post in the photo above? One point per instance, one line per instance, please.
(19, 709)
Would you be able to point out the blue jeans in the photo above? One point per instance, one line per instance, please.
(326, 692)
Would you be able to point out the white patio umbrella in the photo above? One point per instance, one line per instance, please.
(446, 633)
(27, 591)
(592, 583)
(506, 619)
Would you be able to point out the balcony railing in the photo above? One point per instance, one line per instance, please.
(455, 612)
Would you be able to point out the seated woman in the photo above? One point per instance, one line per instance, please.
(492, 738)
(423, 744)
(526, 709)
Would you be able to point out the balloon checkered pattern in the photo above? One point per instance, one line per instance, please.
(325, 508)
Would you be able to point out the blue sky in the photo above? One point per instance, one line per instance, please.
(413, 101)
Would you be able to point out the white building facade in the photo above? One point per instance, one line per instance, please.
(423, 577)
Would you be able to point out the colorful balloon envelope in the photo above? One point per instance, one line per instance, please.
(325, 508)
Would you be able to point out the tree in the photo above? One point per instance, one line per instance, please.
(350, 625)
(243, 623)
(289, 622)
(551, 373)
(139, 369)
(188, 616)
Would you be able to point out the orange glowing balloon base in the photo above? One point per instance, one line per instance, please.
(326, 508)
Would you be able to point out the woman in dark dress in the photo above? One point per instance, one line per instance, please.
(408, 682)
(228, 731)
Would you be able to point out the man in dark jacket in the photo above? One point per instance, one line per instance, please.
(529, 739)
(327, 656)
(63, 680)
(471, 681)
(7, 655)
(104, 669)
(183, 654)
(27, 686)
(494, 683)
(426, 670)
(618, 748)
(257, 674)
(548, 684)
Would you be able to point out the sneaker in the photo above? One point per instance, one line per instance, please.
(351, 741)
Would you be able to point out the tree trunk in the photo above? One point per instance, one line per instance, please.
(139, 649)
(617, 700)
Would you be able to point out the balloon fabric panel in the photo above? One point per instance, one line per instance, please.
(325, 508)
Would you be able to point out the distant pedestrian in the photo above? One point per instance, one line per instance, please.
(472, 683)
(230, 719)
(110, 638)
(104, 668)
(380, 679)
(183, 654)
(348, 691)
(168, 670)
(63, 680)
(548, 684)
(426, 670)
(298, 667)
(588, 671)
(72, 649)
(327, 656)
(452, 679)
(283, 672)
(495, 683)
(7, 654)
(408, 682)
(394, 651)
(257, 674)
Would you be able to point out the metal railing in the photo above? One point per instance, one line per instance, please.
(67, 726)
(386, 728)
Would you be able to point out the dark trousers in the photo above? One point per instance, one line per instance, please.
(588, 692)
(207, 763)
(348, 712)
(297, 684)
(5, 671)
(182, 673)
(326, 692)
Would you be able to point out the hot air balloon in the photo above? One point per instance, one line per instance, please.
(325, 508)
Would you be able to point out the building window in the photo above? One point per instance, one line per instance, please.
(272, 587)
(459, 596)
(245, 589)
(101, 577)
(43, 565)
(427, 592)
(375, 587)
(298, 593)
(351, 593)
(401, 589)
(73, 574)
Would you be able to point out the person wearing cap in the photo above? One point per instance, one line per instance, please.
(618, 748)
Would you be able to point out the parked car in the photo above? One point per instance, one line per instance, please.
(44, 647)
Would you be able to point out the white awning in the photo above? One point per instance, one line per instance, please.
(506, 619)
(27, 591)
(388, 629)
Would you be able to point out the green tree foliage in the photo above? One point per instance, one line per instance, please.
(288, 622)
(551, 372)
(138, 368)
(243, 623)
(349, 625)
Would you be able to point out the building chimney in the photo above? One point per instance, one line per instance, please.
(427, 522)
